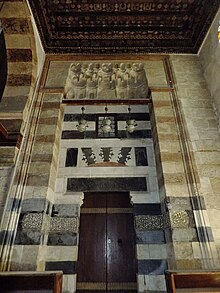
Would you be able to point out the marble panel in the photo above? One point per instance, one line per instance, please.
(62, 239)
(61, 253)
(147, 209)
(68, 267)
(104, 184)
(151, 283)
(28, 237)
(69, 283)
(152, 266)
(140, 197)
(150, 237)
(151, 251)
(65, 210)
(71, 157)
(91, 109)
(184, 235)
(141, 156)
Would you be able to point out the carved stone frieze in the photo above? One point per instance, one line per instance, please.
(106, 81)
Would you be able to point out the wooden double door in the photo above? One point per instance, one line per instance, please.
(106, 258)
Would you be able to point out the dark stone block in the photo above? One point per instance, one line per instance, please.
(191, 219)
(198, 203)
(141, 156)
(28, 237)
(19, 55)
(68, 267)
(205, 234)
(150, 237)
(5, 237)
(105, 184)
(146, 133)
(136, 116)
(62, 239)
(33, 205)
(74, 134)
(13, 204)
(65, 210)
(23, 267)
(119, 117)
(147, 209)
(71, 157)
(77, 117)
(152, 266)
(184, 235)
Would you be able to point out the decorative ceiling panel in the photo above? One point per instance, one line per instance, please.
(114, 26)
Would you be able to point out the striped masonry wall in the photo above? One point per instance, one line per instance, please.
(173, 217)
(22, 65)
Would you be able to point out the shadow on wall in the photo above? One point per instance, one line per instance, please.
(3, 63)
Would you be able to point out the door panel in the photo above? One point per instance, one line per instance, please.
(91, 265)
(121, 261)
(106, 257)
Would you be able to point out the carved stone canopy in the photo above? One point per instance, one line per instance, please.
(106, 81)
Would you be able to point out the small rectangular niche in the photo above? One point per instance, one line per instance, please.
(141, 156)
(71, 157)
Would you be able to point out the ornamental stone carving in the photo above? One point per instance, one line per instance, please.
(106, 81)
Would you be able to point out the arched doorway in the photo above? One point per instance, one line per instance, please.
(106, 258)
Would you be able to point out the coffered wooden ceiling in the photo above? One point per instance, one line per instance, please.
(123, 26)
